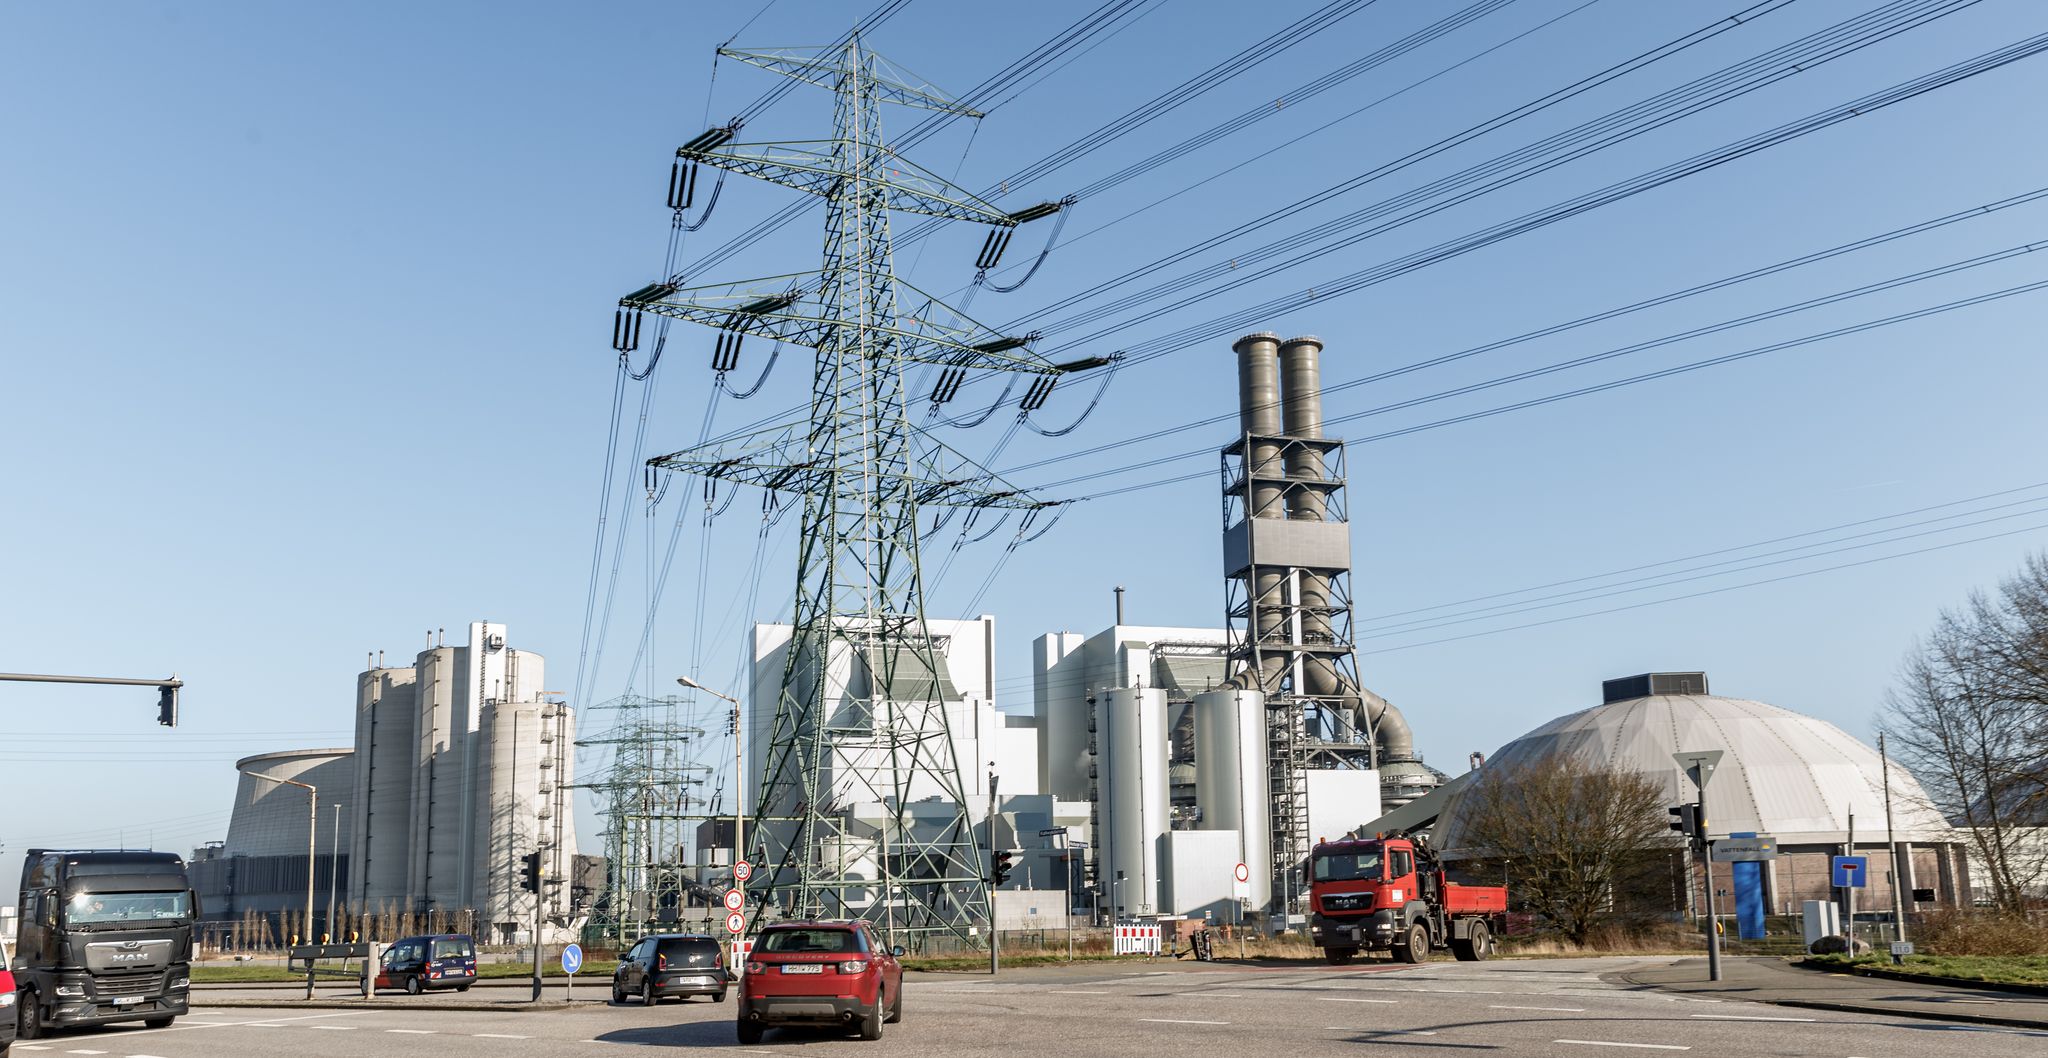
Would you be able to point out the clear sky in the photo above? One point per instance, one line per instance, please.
(304, 314)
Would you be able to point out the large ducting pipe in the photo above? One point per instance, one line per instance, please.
(1258, 417)
(1301, 379)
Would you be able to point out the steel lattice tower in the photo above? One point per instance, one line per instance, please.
(860, 728)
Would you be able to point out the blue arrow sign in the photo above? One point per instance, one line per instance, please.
(1850, 872)
(572, 959)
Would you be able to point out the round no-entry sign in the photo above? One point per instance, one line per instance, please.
(735, 923)
(733, 899)
(1244, 873)
(742, 871)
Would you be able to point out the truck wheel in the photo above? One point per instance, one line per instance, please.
(32, 1027)
(1415, 948)
(1474, 947)
(1339, 956)
(158, 1023)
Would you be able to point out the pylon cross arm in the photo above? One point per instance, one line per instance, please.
(789, 309)
(891, 83)
(813, 166)
(783, 460)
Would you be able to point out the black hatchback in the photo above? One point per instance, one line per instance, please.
(671, 964)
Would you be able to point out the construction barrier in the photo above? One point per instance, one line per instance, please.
(1132, 938)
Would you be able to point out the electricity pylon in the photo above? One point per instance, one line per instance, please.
(860, 728)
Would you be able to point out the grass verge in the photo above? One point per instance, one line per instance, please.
(1990, 969)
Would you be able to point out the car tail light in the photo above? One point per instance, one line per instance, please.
(853, 966)
(661, 962)
(757, 967)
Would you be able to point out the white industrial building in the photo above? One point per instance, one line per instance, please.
(460, 768)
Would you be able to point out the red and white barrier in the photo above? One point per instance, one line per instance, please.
(1131, 938)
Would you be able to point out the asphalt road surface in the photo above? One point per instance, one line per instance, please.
(1546, 1008)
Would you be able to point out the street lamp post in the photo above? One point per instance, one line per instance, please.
(312, 828)
(739, 843)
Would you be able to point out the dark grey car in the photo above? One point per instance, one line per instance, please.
(671, 964)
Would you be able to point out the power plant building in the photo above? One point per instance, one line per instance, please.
(460, 768)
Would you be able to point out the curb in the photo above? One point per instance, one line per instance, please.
(1879, 973)
(336, 1004)
(1923, 1015)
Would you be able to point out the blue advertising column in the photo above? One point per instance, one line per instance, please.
(1749, 895)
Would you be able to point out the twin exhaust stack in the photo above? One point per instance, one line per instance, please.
(1280, 400)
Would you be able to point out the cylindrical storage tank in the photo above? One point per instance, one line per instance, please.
(508, 823)
(436, 852)
(1230, 778)
(385, 713)
(1131, 780)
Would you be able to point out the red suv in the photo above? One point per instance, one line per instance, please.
(820, 973)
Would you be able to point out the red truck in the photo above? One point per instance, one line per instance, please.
(1390, 893)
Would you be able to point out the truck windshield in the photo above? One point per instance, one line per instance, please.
(100, 909)
(1348, 866)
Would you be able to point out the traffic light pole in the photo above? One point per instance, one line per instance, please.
(1706, 850)
(167, 694)
(994, 934)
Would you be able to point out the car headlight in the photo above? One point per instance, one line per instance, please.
(71, 990)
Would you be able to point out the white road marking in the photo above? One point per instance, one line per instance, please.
(1347, 999)
(1611, 1043)
(1561, 1010)
(412, 1032)
(1182, 1021)
(1744, 1017)
(270, 1023)
(330, 1028)
(498, 1036)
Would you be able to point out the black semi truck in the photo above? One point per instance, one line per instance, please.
(104, 937)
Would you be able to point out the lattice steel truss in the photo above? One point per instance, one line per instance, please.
(1267, 614)
(860, 728)
(650, 795)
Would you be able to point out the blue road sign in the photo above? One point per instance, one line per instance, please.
(1850, 872)
(572, 958)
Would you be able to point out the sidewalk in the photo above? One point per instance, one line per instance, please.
(1778, 982)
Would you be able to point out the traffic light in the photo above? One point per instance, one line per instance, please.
(167, 704)
(529, 872)
(1685, 819)
(998, 867)
(1690, 820)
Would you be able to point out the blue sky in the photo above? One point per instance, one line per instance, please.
(304, 316)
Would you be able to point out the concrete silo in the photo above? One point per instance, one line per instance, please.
(386, 709)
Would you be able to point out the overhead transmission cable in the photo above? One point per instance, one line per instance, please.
(1602, 316)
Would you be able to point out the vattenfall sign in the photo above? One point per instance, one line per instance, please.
(1741, 850)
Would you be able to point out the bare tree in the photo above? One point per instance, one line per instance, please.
(1970, 720)
(1579, 842)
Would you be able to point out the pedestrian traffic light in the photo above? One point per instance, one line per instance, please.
(167, 704)
(998, 867)
(529, 872)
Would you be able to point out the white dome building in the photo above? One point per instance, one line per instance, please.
(1781, 774)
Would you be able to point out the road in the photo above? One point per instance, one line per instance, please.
(1539, 1008)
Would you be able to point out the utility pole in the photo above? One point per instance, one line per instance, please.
(1849, 891)
(1699, 766)
(1891, 843)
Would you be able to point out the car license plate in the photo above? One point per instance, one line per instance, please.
(126, 1001)
(804, 968)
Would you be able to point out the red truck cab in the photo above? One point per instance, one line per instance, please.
(1391, 894)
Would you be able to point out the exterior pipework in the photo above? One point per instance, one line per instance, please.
(1301, 380)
